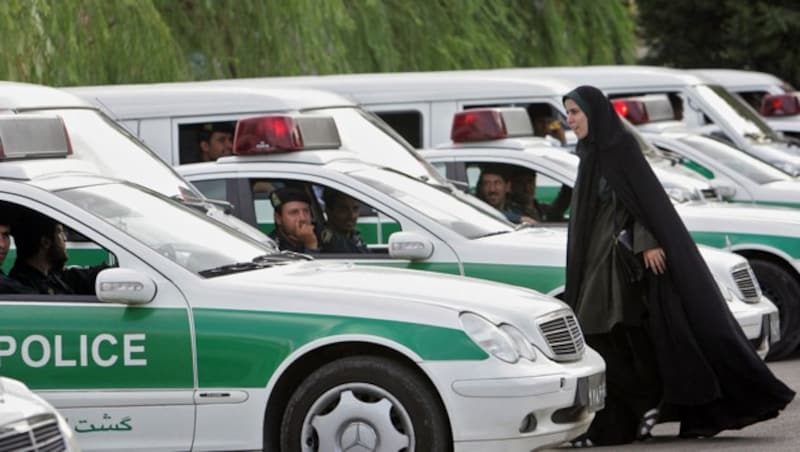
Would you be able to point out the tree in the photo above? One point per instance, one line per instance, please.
(741, 34)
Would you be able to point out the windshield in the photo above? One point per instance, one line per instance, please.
(97, 139)
(439, 206)
(745, 122)
(374, 141)
(736, 160)
(183, 235)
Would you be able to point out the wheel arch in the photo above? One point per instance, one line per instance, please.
(770, 254)
(303, 361)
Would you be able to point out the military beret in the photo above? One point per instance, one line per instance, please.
(288, 194)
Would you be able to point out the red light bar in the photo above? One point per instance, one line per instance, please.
(280, 133)
(478, 125)
(780, 105)
(266, 134)
(633, 111)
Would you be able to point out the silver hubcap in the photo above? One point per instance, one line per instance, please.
(357, 417)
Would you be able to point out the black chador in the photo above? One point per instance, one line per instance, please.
(711, 379)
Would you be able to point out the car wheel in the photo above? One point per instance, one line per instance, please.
(782, 288)
(371, 402)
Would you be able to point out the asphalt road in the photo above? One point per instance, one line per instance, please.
(776, 435)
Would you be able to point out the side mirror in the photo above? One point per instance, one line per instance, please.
(409, 245)
(124, 286)
(726, 192)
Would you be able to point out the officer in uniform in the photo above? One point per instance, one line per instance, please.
(294, 228)
(8, 285)
(523, 195)
(340, 234)
(41, 255)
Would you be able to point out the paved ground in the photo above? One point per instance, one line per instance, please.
(777, 435)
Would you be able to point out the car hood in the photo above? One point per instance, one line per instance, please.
(18, 402)
(372, 291)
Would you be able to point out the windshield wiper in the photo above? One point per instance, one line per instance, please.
(231, 268)
(492, 233)
(282, 256)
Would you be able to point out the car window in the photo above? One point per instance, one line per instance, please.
(184, 235)
(736, 160)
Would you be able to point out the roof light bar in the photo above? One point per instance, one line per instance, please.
(33, 136)
(280, 133)
(486, 124)
(780, 105)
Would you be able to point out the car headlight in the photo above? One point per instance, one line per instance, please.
(521, 343)
(489, 337)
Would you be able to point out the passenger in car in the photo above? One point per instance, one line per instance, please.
(41, 255)
(294, 228)
(546, 123)
(8, 285)
(494, 187)
(215, 140)
(523, 193)
(340, 234)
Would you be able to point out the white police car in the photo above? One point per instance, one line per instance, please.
(428, 229)
(28, 423)
(201, 338)
(771, 244)
(777, 101)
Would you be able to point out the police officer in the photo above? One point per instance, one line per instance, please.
(523, 194)
(215, 140)
(294, 229)
(41, 255)
(340, 234)
(8, 285)
(493, 188)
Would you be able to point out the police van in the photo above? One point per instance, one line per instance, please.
(436, 231)
(198, 337)
(28, 423)
(420, 107)
(768, 237)
(777, 101)
(169, 117)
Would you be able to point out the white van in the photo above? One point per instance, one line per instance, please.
(168, 117)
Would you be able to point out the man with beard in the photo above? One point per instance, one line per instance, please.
(41, 255)
(294, 226)
(340, 234)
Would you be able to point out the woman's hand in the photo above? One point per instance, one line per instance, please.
(655, 260)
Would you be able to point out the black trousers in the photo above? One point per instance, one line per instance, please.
(633, 385)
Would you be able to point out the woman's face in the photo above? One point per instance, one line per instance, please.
(576, 119)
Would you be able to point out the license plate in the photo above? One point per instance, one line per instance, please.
(774, 327)
(591, 392)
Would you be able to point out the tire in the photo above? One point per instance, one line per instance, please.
(783, 289)
(369, 398)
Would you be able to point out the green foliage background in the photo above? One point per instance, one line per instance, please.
(78, 42)
(743, 34)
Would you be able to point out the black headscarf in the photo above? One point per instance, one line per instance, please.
(705, 360)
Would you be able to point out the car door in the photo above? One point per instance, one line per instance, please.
(122, 375)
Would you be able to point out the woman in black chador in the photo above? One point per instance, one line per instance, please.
(646, 300)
